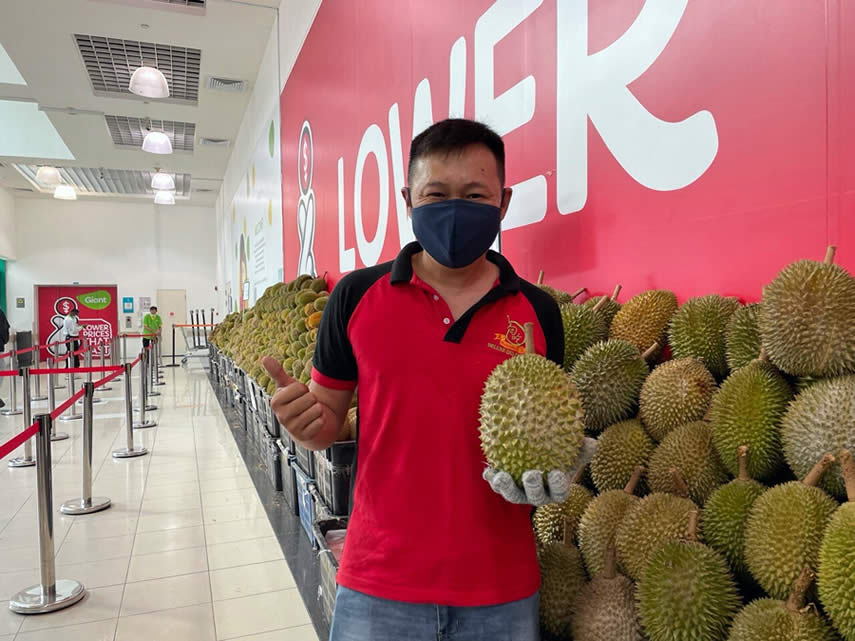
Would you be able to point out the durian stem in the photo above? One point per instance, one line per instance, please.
(615, 293)
(743, 463)
(601, 303)
(580, 474)
(540, 278)
(578, 292)
(848, 465)
(650, 351)
(763, 356)
(610, 565)
(829, 254)
(796, 600)
(692, 531)
(529, 338)
(815, 475)
(680, 487)
(568, 532)
(634, 480)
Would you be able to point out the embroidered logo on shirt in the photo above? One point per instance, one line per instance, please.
(512, 341)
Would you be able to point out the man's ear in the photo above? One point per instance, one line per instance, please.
(405, 192)
(507, 192)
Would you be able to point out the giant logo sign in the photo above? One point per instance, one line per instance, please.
(657, 143)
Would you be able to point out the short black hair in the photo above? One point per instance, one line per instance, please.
(152, 307)
(454, 135)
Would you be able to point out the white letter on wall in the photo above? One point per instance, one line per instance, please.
(372, 143)
(405, 228)
(346, 257)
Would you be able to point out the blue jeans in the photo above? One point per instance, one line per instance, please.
(359, 617)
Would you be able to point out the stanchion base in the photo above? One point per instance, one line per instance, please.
(106, 388)
(126, 453)
(146, 425)
(148, 408)
(154, 393)
(71, 417)
(171, 365)
(22, 461)
(59, 386)
(79, 506)
(11, 412)
(95, 401)
(58, 436)
(34, 601)
(39, 398)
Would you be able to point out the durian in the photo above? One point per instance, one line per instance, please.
(643, 320)
(676, 392)
(687, 592)
(621, 448)
(821, 419)
(649, 524)
(607, 305)
(605, 608)
(562, 578)
(776, 620)
(742, 338)
(583, 327)
(688, 449)
(549, 520)
(601, 519)
(837, 558)
(747, 410)
(560, 297)
(531, 415)
(609, 376)
(698, 331)
(806, 319)
(726, 512)
(784, 531)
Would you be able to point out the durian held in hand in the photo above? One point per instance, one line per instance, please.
(532, 429)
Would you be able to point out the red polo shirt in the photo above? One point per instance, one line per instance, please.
(425, 526)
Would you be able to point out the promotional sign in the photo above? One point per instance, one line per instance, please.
(253, 225)
(696, 146)
(127, 304)
(98, 315)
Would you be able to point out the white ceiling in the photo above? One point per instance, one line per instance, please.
(38, 36)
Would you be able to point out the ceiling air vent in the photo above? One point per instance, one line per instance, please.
(185, 3)
(128, 131)
(204, 190)
(25, 189)
(99, 181)
(111, 61)
(227, 84)
(214, 142)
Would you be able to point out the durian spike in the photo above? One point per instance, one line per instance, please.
(815, 475)
(682, 490)
(635, 479)
(650, 351)
(848, 465)
(796, 600)
(742, 457)
(829, 254)
(692, 530)
(600, 303)
(578, 292)
(568, 532)
(529, 338)
(540, 278)
(609, 570)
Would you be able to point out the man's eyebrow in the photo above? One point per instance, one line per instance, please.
(475, 184)
(435, 184)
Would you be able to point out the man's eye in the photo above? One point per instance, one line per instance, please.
(436, 194)
(475, 196)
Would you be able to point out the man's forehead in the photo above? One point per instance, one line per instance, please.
(445, 164)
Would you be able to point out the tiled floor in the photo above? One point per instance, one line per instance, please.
(185, 553)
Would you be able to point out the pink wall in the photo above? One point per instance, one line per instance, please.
(698, 146)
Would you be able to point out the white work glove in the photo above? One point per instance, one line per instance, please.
(535, 491)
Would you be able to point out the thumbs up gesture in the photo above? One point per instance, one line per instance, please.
(295, 407)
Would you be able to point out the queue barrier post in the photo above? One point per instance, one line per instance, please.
(158, 375)
(114, 356)
(72, 414)
(130, 451)
(37, 394)
(103, 359)
(173, 363)
(86, 504)
(50, 594)
(89, 376)
(13, 409)
(54, 435)
(27, 459)
(151, 366)
(143, 401)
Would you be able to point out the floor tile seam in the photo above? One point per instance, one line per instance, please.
(62, 627)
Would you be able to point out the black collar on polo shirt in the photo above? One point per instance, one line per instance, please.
(402, 268)
(509, 283)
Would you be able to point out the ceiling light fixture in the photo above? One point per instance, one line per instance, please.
(65, 192)
(48, 175)
(162, 181)
(157, 142)
(149, 83)
(164, 198)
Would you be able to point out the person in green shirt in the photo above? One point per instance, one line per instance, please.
(152, 324)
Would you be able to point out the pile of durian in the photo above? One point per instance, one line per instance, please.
(720, 505)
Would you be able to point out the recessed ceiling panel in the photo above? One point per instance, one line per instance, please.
(9, 73)
(129, 131)
(32, 135)
(111, 61)
(92, 181)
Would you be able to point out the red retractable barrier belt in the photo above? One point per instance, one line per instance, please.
(17, 441)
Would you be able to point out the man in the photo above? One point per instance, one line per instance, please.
(71, 330)
(432, 550)
(152, 324)
(4, 338)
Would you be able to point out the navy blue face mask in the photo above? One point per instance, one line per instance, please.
(456, 232)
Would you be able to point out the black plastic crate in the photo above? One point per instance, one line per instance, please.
(305, 460)
(289, 477)
(333, 484)
(270, 459)
(328, 563)
(340, 453)
(271, 423)
(306, 503)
